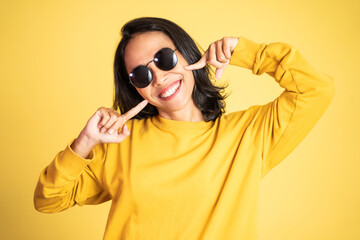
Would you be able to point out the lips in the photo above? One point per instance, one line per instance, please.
(170, 90)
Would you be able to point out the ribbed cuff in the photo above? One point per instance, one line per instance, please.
(244, 54)
(72, 164)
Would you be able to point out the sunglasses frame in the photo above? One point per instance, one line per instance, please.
(153, 60)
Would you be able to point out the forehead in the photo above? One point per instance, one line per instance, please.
(142, 48)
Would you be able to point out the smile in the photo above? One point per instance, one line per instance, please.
(170, 91)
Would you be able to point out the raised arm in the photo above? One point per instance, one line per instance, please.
(279, 126)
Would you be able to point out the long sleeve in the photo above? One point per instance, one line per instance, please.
(70, 179)
(279, 126)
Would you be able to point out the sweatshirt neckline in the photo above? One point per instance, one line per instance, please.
(181, 126)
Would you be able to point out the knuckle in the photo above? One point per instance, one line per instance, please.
(221, 58)
(115, 111)
(213, 62)
(105, 119)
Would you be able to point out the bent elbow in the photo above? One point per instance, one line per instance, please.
(40, 205)
(47, 205)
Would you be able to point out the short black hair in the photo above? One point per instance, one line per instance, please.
(207, 97)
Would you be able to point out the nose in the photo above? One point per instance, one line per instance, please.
(159, 76)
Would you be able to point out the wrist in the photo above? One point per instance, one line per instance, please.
(86, 139)
(83, 145)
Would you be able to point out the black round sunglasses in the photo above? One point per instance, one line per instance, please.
(165, 59)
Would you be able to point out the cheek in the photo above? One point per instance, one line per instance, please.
(143, 93)
(146, 94)
(190, 79)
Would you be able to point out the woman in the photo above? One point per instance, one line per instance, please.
(175, 166)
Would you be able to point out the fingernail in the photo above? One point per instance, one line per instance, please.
(111, 131)
(103, 130)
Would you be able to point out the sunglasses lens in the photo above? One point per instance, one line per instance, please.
(165, 59)
(140, 77)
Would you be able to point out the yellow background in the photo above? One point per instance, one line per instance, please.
(56, 70)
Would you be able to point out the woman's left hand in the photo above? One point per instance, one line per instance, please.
(218, 55)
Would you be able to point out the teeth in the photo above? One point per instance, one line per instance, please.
(170, 91)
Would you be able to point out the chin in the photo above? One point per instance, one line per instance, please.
(176, 105)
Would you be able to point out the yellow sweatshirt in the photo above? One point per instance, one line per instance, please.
(194, 180)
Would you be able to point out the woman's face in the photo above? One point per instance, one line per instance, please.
(169, 91)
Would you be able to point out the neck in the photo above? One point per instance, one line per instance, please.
(194, 115)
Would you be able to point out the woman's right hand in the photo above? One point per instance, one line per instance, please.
(105, 126)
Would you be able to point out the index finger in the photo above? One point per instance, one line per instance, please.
(200, 64)
(135, 110)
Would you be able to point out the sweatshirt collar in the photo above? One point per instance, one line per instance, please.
(181, 126)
